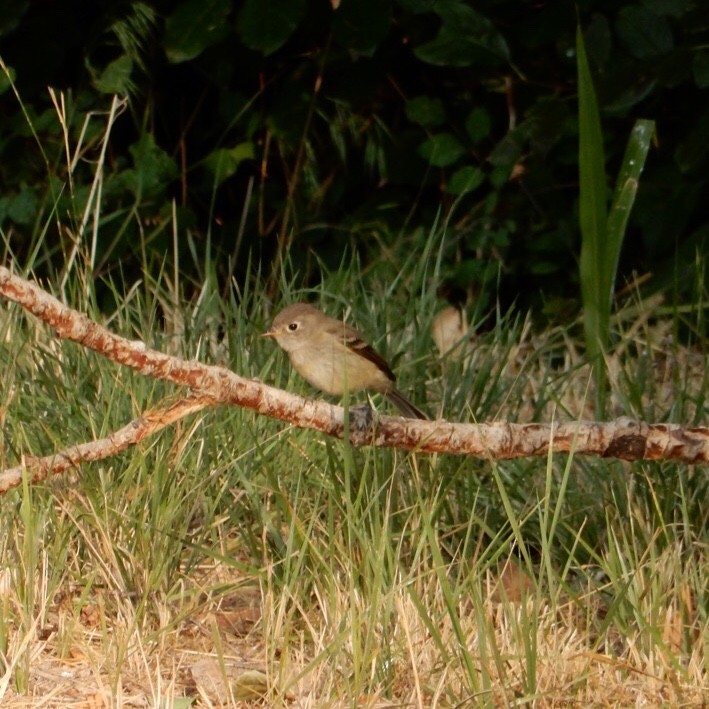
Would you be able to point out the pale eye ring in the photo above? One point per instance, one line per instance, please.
(293, 326)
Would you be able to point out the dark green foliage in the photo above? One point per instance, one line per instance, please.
(276, 125)
(194, 26)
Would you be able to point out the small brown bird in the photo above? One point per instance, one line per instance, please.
(333, 357)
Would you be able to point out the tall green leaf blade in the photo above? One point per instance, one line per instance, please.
(636, 151)
(624, 194)
(595, 281)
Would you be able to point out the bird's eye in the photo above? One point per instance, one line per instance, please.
(293, 326)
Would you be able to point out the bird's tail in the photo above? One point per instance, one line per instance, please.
(404, 405)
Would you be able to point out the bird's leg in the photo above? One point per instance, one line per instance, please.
(362, 417)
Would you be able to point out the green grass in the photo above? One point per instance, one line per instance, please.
(344, 575)
(234, 554)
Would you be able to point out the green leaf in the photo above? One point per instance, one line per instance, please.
(602, 233)
(23, 207)
(465, 180)
(441, 150)
(115, 78)
(465, 38)
(509, 148)
(595, 281)
(624, 194)
(478, 124)
(644, 33)
(266, 25)
(153, 170)
(194, 26)
(426, 111)
(361, 25)
(223, 162)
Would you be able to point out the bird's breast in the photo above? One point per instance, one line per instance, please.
(335, 370)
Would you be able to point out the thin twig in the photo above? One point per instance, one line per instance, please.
(70, 458)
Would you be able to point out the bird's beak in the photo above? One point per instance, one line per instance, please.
(269, 333)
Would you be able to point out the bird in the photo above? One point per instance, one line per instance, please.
(333, 357)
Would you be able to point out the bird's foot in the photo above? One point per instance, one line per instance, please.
(362, 418)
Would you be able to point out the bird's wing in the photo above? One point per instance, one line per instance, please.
(353, 340)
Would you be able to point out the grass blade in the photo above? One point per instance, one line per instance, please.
(593, 215)
(624, 195)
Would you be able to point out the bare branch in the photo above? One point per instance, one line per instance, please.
(146, 425)
(623, 438)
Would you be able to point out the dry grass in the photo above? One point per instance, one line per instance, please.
(235, 563)
(216, 648)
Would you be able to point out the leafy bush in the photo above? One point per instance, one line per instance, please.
(270, 124)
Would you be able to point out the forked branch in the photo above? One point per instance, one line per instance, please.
(209, 386)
